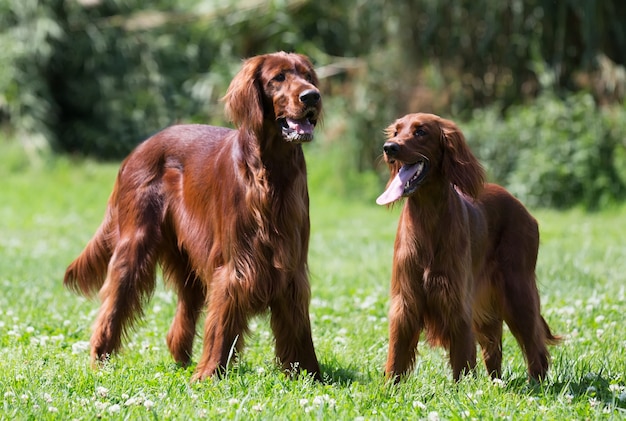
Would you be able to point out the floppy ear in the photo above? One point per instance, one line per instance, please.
(244, 102)
(459, 164)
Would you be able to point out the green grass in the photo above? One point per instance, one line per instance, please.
(47, 215)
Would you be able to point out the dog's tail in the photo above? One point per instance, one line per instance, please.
(551, 339)
(87, 273)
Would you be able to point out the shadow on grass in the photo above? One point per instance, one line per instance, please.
(593, 387)
(334, 374)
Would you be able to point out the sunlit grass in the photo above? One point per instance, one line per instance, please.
(46, 216)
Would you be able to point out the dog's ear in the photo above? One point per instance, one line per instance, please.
(459, 163)
(243, 100)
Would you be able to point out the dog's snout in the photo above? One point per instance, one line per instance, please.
(391, 148)
(310, 97)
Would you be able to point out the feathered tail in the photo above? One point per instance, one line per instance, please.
(87, 273)
(550, 338)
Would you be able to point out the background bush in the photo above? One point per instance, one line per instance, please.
(95, 77)
(559, 152)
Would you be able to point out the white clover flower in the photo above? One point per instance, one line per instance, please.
(303, 402)
(47, 397)
(102, 391)
(131, 401)
(233, 401)
(114, 409)
(30, 329)
(148, 404)
(52, 409)
(420, 405)
(80, 347)
(433, 416)
(101, 406)
(498, 383)
(257, 408)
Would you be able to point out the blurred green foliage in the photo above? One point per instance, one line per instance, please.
(95, 77)
(558, 153)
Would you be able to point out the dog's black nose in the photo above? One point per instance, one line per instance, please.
(391, 148)
(310, 97)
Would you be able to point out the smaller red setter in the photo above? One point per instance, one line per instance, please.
(464, 256)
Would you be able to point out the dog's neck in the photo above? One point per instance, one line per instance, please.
(275, 162)
(432, 211)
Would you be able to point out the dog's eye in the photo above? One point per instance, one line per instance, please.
(419, 132)
(395, 133)
(279, 77)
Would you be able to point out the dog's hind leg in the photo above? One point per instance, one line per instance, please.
(521, 314)
(130, 278)
(191, 298)
(489, 337)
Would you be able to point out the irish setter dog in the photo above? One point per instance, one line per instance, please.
(226, 214)
(464, 256)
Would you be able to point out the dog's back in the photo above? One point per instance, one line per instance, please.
(155, 165)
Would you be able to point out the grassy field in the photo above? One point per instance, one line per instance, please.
(47, 215)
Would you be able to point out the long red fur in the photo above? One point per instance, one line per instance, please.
(226, 214)
(464, 258)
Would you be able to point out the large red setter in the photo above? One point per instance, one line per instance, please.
(464, 256)
(226, 215)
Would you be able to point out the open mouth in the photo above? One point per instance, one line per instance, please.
(408, 179)
(298, 130)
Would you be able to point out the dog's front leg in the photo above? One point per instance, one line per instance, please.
(462, 345)
(292, 328)
(225, 325)
(405, 326)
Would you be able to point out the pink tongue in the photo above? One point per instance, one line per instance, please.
(303, 126)
(396, 187)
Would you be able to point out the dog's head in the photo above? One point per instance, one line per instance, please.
(425, 148)
(278, 89)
